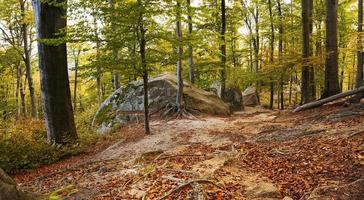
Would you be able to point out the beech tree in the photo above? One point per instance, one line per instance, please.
(331, 82)
(58, 113)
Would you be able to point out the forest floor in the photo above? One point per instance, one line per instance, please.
(255, 154)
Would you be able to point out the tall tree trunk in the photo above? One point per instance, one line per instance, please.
(190, 48)
(331, 86)
(359, 54)
(306, 30)
(99, 89)
(312, 85)
(280, 51)
(223, 49)
(116, 76)
(142, 45)
(56, 94)
(76, 56)
(179, 96)
(271, 53)
(26, 58)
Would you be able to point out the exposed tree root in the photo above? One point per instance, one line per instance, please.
(178, 188)
(171, 111)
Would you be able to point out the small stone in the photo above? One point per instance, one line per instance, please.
(287, 198)
(102, 170)
(362, 101)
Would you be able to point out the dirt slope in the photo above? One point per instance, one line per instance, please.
(256, 154)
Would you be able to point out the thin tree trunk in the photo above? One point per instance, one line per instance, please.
(98, 68)
(26, 58)
(331, 86)
(359, 54)
(280, 51)
(271, 56)
(223, 49)
(179, 96)
(116, 76)
(190, 48)
(56, 94)
(142, 46)
(76, 60)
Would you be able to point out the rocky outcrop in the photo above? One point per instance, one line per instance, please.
(352, 191)
(126, 103)
(250, 96)
(234, 98)
(8, 189)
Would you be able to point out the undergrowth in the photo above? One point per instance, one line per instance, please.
(24, 144)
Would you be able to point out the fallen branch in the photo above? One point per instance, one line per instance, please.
(328, 99)
(178, 188)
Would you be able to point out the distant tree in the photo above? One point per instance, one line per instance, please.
(51, 20)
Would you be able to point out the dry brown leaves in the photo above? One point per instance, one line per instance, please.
(301, 165)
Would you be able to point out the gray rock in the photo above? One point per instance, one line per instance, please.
(9, 190)
(126, 104)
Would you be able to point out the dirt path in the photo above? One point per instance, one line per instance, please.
(251, 155)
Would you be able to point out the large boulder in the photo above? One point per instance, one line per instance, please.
(126, 103)
(234, 98)
(8, 189)
(250, 96)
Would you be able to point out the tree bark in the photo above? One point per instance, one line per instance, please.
(116, 76)
(179, 96)
(223, 48)
(306, 51)
(190, 48)
(26, 58)
(76, 60)
(280, 51)
(271, 53)
(145, 74)
(56, 94)
(331, 82)
(328, 99)
(359, 54)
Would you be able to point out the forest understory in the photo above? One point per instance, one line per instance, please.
(255, 154)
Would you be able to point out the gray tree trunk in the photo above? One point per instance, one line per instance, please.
(179, 96)
(271, 53)
(223, 49)
(56, 94)
(190, 48)
(76, 56)
(359, 54)
(331, 82)
(26, 58)
(306, 52)
(142, 51)
(280, 52)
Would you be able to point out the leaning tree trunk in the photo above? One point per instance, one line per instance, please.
(56, 94)
(223, 49)
(331, 83)
(179, 98)
(26, 58)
